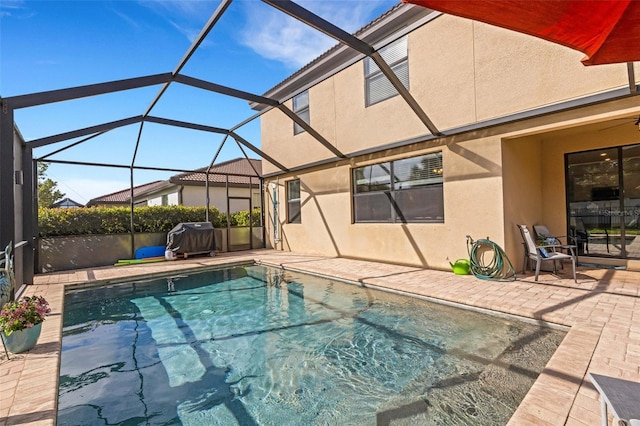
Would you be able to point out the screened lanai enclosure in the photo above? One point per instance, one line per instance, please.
(18, 164)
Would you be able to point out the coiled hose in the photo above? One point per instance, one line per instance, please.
(498, 269)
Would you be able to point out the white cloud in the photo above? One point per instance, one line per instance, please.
(15, 8)
(185, 16)
(129, 20)
(182, 8)
(274, 35)
(11, 4)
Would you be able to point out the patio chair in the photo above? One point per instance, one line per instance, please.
(620, 396)
(545, 237)
(540, 253)
(581, 236)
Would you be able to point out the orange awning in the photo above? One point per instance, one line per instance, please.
(607, 31)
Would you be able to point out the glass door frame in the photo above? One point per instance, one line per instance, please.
(615, 215)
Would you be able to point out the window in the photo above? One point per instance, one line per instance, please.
(401, 191)
(256, 199)
(293, 201)
(301, 109)
(378, 87)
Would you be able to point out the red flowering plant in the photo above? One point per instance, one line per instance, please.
(24, 313)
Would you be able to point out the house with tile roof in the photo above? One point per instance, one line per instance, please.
(67, 203)
(233, 186)
(123, 197)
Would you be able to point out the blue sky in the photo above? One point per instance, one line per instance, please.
(51, 44)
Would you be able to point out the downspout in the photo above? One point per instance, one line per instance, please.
(226, 187)
(34, 217)
(206, 193)
(274, 199)
(262, 214)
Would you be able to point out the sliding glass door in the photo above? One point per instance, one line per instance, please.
(603, 197)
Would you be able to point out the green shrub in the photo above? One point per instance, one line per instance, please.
(242, 218)
(116, 220)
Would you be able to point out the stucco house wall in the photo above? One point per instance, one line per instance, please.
(196, 196)
(461, 72)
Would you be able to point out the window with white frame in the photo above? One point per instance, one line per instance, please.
(293, 202)
(400, 191)
(378, 87)
(301, 109)
(256, 199)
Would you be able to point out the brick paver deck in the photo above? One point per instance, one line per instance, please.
(602, 311)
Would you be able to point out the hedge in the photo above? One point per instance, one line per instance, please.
(116, 220)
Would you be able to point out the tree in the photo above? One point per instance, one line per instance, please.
(48, 192)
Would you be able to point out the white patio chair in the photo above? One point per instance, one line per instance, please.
(540, 253)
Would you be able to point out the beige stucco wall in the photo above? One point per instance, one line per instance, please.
(327, 227)
(493, 180)
(196, 196)
(461, 73)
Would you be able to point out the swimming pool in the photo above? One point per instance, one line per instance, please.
(254, 345)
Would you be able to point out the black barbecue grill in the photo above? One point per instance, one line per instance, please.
(190, 239)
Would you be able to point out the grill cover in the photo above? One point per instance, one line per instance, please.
(195, 237)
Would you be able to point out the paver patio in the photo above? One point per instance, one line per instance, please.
(602, 311)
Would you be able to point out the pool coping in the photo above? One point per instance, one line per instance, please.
(604, 339)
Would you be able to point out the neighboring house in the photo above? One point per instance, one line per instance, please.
(66, 203)
(233, 182)
(529, 135)
(123, 197)
(233, 186)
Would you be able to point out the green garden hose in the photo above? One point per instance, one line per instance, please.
(498, 269)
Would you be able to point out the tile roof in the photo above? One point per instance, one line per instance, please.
(239, 171)
(67, 202)
(121, 197)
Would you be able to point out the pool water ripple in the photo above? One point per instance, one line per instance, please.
(253, 345)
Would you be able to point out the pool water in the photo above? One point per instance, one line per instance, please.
(259, 346)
